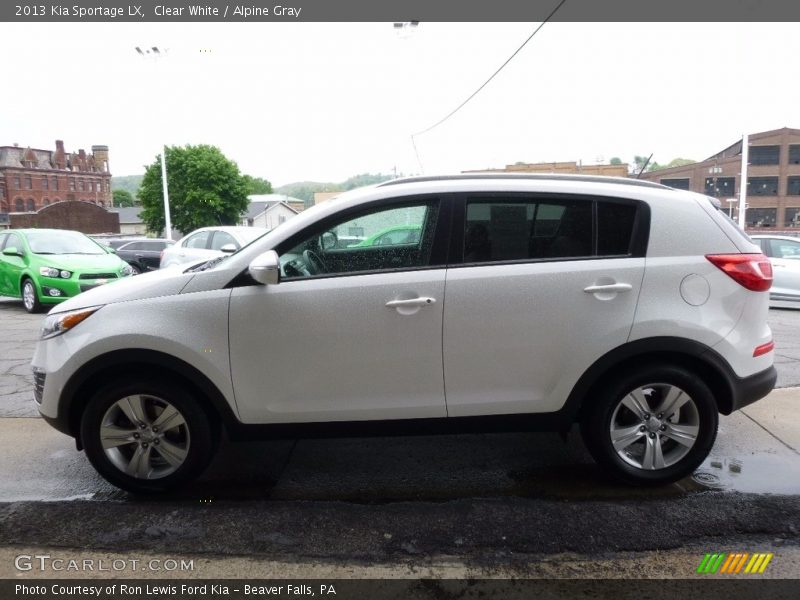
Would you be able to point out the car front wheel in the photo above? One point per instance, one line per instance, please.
(147, 436)
(651, 427)
(30, 299)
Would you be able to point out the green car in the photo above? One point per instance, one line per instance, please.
(393, 236)
(47, 266)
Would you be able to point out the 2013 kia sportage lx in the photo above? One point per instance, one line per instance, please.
(525, 303)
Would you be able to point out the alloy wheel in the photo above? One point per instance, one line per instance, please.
(145, 436)
(654, 426)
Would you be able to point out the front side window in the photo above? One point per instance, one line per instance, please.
(395, 237)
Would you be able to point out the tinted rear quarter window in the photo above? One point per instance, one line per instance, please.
(615, 224)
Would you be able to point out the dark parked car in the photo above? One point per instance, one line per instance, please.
(143, 255)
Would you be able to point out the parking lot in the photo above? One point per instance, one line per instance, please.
(457, 505)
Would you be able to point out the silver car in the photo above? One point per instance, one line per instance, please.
(209, 242)
(784, 254)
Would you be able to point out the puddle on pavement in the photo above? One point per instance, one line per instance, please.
(760, 473)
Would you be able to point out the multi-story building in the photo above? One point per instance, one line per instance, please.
(31, 179)
(773, 178)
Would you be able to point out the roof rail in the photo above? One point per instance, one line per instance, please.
(533, 176)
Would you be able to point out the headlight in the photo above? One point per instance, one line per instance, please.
(127, 270)
(62, 322)
(53, 272)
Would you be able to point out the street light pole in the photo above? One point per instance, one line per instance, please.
(743, 181)
(155, 52)
(168, 221)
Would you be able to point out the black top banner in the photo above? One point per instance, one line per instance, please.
(404, 11)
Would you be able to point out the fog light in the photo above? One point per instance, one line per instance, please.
(54, 292)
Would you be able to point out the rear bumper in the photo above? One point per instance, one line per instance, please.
(749, 389)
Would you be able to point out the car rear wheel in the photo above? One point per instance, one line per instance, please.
(30, 299)
(147, 436)
(652, 427)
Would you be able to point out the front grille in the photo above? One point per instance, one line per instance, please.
(38, 385)
(86, 287)
(98, 276)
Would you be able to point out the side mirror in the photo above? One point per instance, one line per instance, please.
(228, 248)
(12, 251)
(266, 268)
(328, 240)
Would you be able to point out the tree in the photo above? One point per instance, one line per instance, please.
(257, 185)
(123, 198)
(615, 161)
(205, 188)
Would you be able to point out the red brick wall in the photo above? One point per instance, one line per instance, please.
(79, 216)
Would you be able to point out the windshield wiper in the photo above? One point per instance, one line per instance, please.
(208, 264)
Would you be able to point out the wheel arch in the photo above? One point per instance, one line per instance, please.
(105, 368)
(694, 356)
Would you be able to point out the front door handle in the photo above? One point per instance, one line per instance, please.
(411, 302)
(611, 288)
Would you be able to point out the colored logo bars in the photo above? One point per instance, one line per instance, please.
(735, 563)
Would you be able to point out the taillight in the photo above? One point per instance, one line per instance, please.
(752, 271)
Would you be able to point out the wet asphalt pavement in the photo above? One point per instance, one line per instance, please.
(484, 500)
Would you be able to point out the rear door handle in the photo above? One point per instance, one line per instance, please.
(613, 288)
(424, 301)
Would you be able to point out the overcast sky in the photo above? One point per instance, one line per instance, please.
(324, 101)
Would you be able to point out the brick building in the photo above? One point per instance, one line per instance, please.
(31, 179)
(773, 178)
(568, 167)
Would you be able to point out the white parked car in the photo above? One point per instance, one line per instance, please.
(209, 242)
(784, 254)
(634, 310)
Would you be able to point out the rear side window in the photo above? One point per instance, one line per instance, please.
(499, 230)
(198, 240)
(614, 228)
(503, 231)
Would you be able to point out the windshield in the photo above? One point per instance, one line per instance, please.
(62, 242)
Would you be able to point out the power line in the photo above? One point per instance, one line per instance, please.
(485, 83)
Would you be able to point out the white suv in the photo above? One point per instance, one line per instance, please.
(527, 302)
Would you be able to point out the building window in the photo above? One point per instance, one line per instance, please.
(762, 186)
(2, 191)
(71, 185)
(44, 183)
(793, 186)
(54, 183)
(794, 154)
(80, 185)
(765, 155)
(46, 202)
(16, 182)
(19, 205)
(721, 187)
(761, 217)
(31, 205)
(678, 184)
(792, 217)
(28, 183)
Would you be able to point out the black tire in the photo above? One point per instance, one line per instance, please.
(33, 305)
(653, 383)
(196, 433)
